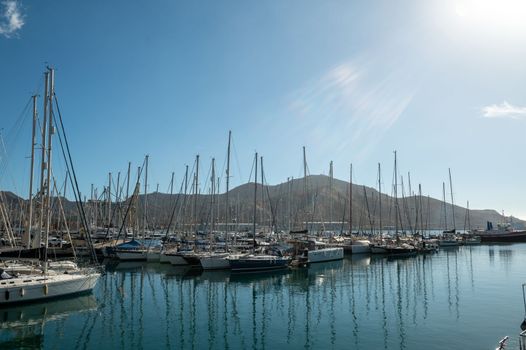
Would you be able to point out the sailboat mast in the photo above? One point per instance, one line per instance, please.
(421, 210)
(49, 153)
(331, 175)
(350, 201)
(255, 200)
(227, 216)
(380, 196)
(37, 242)
(289, 206)
(305, 208)
(396, 193)
(185, 211)
(128, 181)
(444, 204)
(196, 191)
(31, 174)
(213, 180)
(452, 201)
(108, 201)
(145, 214)
(469, 219)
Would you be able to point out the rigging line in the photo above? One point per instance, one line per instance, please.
(174, 207)
(73, 179)
(132, 199)
(237, 160)
(251, 171)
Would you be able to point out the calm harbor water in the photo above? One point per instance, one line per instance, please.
(460, 298)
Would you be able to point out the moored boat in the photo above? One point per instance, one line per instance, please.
(257, 262)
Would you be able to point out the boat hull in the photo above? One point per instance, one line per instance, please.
(131, 255)
(153, 256)
(215, 262)
(174, 259)
(511, 237)
(378, 249)
(448, 243)
(35, 288)
(325, 254)
(361, 248)
(253, 265)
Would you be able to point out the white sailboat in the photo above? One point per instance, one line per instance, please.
(22, 283)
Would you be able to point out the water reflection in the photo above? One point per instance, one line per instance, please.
(23, 325)
(361, 302)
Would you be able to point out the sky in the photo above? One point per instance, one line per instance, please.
(440, 82)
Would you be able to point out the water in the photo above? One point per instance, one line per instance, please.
(461, 298)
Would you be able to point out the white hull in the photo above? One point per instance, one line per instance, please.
(361, 247)
(325, 254)
(32, 288)
(132, 255)
(215, 262)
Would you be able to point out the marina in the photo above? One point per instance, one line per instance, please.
(364, 302)
(262, 175)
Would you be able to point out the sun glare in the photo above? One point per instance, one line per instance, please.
(494, 15)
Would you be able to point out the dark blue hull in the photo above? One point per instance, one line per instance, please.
(249, 265)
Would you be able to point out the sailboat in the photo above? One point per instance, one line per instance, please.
(448, 236)
(257, 261)
(395, 248)
(215, 260)
(18, 282)
(315, 251)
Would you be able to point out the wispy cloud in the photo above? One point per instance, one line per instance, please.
(351, 106)
(504, 110)
(11, 18)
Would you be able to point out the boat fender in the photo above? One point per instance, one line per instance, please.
(45, 289)
(22, 292)
(6, 295)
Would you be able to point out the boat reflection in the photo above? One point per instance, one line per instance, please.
(23, 325)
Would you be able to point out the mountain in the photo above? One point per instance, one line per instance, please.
(289, 204)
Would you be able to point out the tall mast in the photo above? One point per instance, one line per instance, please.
(380, 196)
(469, 221)
(49, 153)
(263, 191)
(118, 194)
(31, 174)
(108, 201)
(255, 200)
(128, 181)
(305, 209)
(289, 192)
(350, 201)
(38, 239)
(185, 211)
(227, 213)
(145, 214)
(421, 209)
(452, 202)
(396, 193)
(196, 191)
(444, 204)
(330, 191)
(213, 195)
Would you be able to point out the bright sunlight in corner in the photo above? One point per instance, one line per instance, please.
(497, 16)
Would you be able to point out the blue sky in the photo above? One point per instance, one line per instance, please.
(439, 81)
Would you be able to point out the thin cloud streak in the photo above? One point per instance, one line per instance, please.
(504, 110)
(347, 108)
(11, 19)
